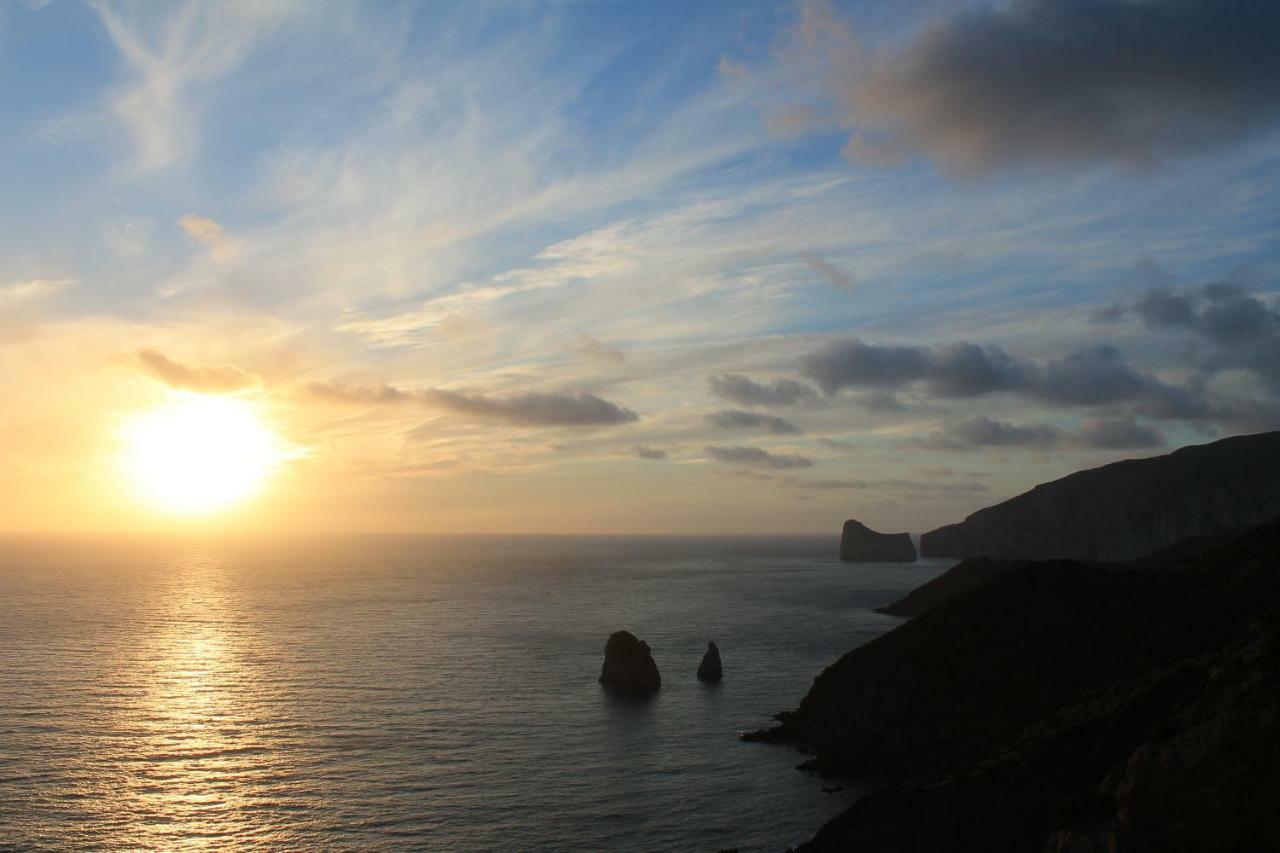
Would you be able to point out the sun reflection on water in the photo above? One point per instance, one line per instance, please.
(199, 725)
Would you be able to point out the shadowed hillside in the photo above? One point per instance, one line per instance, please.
(1062, 706)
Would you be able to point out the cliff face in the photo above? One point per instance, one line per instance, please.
(1065, 707)
(1127, 509)
(862, 544)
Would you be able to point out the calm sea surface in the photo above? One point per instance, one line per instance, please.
(414, 693)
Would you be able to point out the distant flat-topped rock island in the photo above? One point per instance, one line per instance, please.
(1127, 509)
(859, 543)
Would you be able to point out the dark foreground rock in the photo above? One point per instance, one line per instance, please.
(862, 544)
(710, 669)
(965, 576)
(971, 573)
(1065, 707)
(1125, 510)
(628, 664)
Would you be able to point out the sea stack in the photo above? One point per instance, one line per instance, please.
(628, 664)
(709, 669)
(860, 543)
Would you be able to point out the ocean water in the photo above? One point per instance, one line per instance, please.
(434, 693)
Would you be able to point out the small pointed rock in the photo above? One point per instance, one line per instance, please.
(709, 669)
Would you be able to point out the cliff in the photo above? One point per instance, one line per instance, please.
(862, 544)
(1064, 706)
(1127, 509)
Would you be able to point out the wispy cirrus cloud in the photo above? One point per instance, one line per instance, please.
(34, 290)
(172, 53)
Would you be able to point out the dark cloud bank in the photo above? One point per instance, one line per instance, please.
(1239, 330)
(1093, 377)
(1059, 81)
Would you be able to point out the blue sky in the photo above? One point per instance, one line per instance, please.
(482, 260)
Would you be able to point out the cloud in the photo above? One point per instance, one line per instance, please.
(958, 370)
(740, 389)
(833, 274)
(982, 431)
(738, 419)
(361, 394)
(1243, 331)
(171, 53)
(1118, 434)
(589, 347)
(217, 379)
(534, 409)
(528, 409)
(881, 401)
(26, 292)
(1053, 82)
(644, 451)
(757, 457)
(206, 231)
(1094, 376)
(1110, 433)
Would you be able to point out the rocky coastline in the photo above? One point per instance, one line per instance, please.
(1127, 509)
(1065, 706)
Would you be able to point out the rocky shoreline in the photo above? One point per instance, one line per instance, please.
(1031, 714)
(1063, 706)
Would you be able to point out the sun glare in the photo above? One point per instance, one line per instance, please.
(199, 454)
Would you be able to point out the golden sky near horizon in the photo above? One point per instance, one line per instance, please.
(704, 268)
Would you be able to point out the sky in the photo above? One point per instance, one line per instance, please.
(633, 267)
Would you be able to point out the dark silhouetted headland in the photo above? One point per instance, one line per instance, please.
(1066, 706)
(1127, 509)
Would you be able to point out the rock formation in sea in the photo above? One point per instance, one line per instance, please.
(710, 669)
(1127, 509)
(628, 664)
(1063, 707)
(862, 544)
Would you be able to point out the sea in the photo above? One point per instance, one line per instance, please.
(416, 692)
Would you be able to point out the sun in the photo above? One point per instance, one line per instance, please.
(197, 454)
